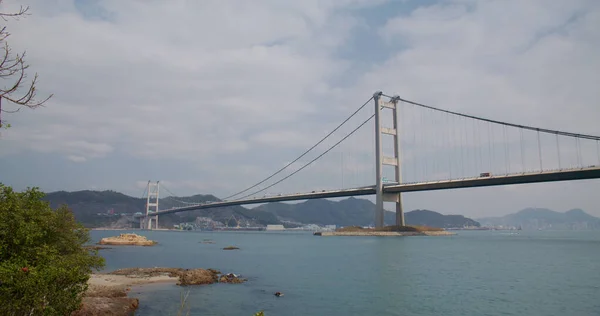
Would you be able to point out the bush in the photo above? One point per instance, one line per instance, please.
(44, 267)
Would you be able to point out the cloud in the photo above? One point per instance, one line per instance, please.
(212, 96)
(76, 158)
(157, 88)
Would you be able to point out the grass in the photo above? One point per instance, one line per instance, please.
(411, 228)
(182, 304)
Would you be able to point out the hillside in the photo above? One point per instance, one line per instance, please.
(541, 218)
(104, 209)
(434, 219)
(114, 209)
(356, 212)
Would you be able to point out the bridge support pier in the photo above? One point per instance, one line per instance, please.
(380, 195)
(151, 206)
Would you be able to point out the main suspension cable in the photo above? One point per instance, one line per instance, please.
(538, 129)
(303, 154)
(310, 162)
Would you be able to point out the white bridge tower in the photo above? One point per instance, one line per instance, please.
(380, 160)
(151, 206)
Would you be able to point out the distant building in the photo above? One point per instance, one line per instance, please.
(275, 227)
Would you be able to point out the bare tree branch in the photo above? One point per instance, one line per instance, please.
(13, 70)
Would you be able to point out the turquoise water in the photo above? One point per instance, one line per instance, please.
(472, 273)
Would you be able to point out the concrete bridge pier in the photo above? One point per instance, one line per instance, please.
(380, 160)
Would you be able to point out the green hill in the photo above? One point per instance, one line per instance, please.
(356, 212)
(114, 209)
(92, 209)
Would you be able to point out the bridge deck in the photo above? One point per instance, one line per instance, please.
(592, 172)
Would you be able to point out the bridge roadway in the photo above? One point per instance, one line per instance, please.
(592, 172)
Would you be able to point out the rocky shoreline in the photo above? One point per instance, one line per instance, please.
(107, 292)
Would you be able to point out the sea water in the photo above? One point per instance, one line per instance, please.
(471, 273)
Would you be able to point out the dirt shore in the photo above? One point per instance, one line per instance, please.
(107, 292)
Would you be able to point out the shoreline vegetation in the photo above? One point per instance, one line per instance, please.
(387, 231)
(107, 293)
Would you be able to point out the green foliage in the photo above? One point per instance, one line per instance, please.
(261, 313)
(44, 268)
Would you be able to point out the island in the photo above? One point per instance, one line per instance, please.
(387, 231)
(127, 240)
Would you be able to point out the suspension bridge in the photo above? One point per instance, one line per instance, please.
(416, 147)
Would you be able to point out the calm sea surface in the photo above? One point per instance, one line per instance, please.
(472, 273)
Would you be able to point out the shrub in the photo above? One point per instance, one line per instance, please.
(44, 267)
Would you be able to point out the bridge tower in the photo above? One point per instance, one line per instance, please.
(151, 206)
(380, 160)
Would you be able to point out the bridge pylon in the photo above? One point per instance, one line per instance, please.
(151, 206)
(380, 160)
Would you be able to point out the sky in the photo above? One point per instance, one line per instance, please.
(210, 97)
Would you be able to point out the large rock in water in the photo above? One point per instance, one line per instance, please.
(127, 239)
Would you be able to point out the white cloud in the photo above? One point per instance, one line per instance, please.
(215, 95)
(76, 158)
(207, 74)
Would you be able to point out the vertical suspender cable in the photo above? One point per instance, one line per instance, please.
(414, 144)
(506, 155)
(522, 152)
(539, 150)
(598, 151)
(490, 140)
(478, 135)
(579, 159)
(450, 147)
(436, 140)
(558, 152)
(476, 163)
(468, 163)
(493, 147)
(424, 141)
(462, 161)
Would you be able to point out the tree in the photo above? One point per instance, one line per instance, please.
(13, 70)
(44, 267)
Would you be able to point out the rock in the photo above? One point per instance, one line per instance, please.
(230, 248)
(197, 277)
(231, 278)
(117, 306)
(127, 239)
(214, 271)
(107, 294)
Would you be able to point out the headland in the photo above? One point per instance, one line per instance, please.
(387, 231)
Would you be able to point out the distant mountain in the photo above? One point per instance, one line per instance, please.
(356, 212)
(114, 209)
(434, 219)
(87, 205)
(542, 218)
